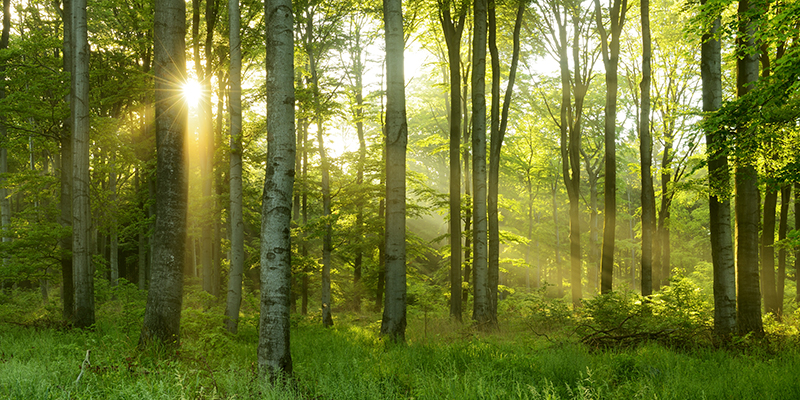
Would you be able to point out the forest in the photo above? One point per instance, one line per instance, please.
(460, 199)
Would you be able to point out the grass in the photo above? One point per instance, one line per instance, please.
(442, 360)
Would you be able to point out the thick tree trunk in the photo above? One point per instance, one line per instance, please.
(747, 194)
(452, 34)
(163, 311)
(610, 50)
(234, 298)
(274, 357)
(81, 212)
(393, 324)
(646, 154)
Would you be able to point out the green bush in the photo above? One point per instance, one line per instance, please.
(676, 316)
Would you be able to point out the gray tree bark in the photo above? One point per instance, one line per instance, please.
(783, 227)
(748, 198)
(83, 273)
(719, 183)
(5, 205)
(163, 311)
(234, 298)
(481, 308)
(274, 357)
(393, 324)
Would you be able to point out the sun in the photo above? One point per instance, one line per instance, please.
(192, 91)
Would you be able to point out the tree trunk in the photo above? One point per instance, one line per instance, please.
(5, 205)
(113, 256)
(646, 153)
(163, 311)
(797, 251)
(783, 227)
(393, 324)
(747, 195)
(234, 298)
(81, 213)
(481, 307)
(610, 50)
(768, 251)
(274, 357)
(499, 122)
(452, 34)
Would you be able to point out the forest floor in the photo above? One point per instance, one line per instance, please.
(42, 358)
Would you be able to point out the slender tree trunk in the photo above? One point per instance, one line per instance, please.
(163, 311)
(797, 227)
(114, 240)
(783, 227)
(747, 194)
(646, 153)
(393, 324)
(234, 298)
(557, 260)
(770, 295)
(481, 307)
(610, 50)
(452, 34)
(142, 238)
(499, 122)
(274, 357)
(81, 213)
(5, 205)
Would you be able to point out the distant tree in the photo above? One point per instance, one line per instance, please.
(274, 356)
(163, 311)
(393, 324)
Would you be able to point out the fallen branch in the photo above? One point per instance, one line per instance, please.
(83, 366)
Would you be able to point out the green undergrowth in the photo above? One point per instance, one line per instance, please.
(530, 356)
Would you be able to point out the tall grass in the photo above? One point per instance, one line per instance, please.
(442, 360)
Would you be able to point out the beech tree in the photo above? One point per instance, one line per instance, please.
(164, 299)
(719, 180)
(609, 40)
(274, 356)
(393, 323)
(81, 213)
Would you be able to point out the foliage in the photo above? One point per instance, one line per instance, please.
(676, 316)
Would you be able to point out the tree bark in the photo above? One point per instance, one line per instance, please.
(610, 50)
(81, 212)
(646, 152)
(5, 205)
(163, 311)
(770, 294)
(393, 324)
(498, 129)
(274, 357)
(783, 227)
(747, 194)
(113, 256)
(452, 34)
(234, 298)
